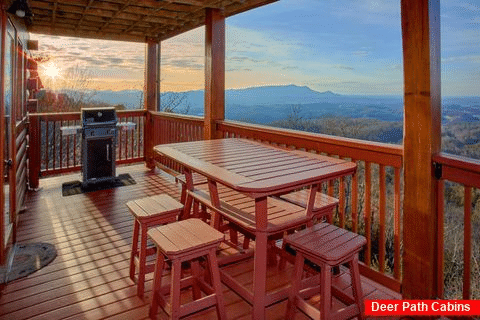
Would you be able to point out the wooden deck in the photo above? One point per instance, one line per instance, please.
(89, 277)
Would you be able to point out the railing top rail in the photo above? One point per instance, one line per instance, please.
(77, 114)
(177, 116)
(383, 153)
(460, 162)
(459, 169)
(131, 113)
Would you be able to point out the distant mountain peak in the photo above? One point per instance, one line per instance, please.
(330, 93)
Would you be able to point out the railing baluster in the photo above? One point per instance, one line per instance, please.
(132, 138)
(342, 203)
(54, 129)
(440, 237)
(75, 148)
(467, 241)
(367, 214)
(47, 158)
(396, 227)
(61, 145)
(67, 138)
(140, 129)
(382, 218)
(355, 200)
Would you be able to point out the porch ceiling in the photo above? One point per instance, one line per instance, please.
(129, 20)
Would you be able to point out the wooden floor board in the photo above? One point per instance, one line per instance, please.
(89, 278)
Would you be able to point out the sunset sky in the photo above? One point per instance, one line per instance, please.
(346, 46)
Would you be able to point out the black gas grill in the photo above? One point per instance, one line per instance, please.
(99, 136)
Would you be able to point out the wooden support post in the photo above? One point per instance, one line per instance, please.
(152, 97)
(422, 139)
(214, 71)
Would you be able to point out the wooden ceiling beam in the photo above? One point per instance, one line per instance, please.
(158, 19)
(91, 11)
(54, 13)
(83, 14)
(91, 34)
(116, 13)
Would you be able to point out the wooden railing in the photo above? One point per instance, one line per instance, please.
(170, 128)
(51, 153)
(370, 201)
(466, 172)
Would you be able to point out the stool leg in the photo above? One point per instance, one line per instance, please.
(356, 284)
(186, 209)
(143, 260)
(196, 209)
(196, 273)
(134, 252)
(283, 260)
(233, 236)
(217, 285)
(175, 288)
(157, 285)
(246, 242)
(204, 213)
(271, 254)
(326, 291)
(296, 286)
(183, 195)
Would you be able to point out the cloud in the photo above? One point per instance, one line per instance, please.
(343, 67)
(465, 58)
(361, 53)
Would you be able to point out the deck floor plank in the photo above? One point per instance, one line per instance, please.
(89, 277)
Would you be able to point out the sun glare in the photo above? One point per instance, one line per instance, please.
(51, 70)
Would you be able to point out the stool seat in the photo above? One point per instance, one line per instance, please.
(181, 238)
(148, 212)
(154, 206)
(327, 242)
(187, 240)
(327, 246)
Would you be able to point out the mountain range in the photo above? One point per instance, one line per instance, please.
(270, 103)
(266, 95)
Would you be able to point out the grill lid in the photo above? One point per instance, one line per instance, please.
(96, 116)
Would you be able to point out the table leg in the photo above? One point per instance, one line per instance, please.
(260, 261)
(189, 200)
(260, 276)
(212, 187)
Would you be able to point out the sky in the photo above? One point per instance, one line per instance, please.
(345, 46)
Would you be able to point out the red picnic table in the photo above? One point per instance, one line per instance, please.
(254, 172)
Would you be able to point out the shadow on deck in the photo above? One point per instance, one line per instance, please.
(89, 277)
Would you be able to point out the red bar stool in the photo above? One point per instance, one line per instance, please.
(148, 212)
(187, 240)
(322, 208)
(327, 246)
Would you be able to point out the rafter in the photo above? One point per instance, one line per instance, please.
(128, 3)
(84, 10)
(131, 19)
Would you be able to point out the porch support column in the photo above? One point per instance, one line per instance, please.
(152, 97)
(214, 71)
(422, 139)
